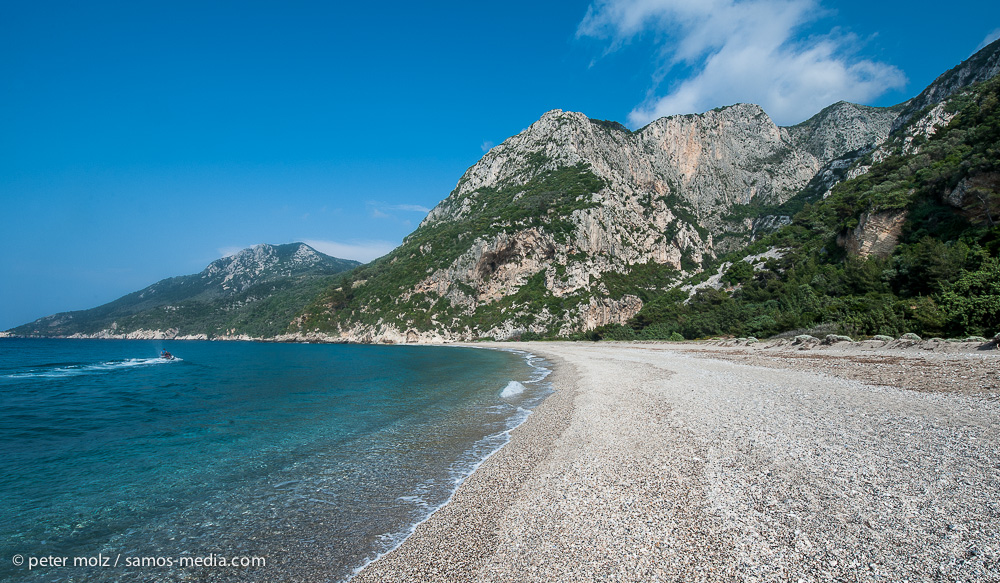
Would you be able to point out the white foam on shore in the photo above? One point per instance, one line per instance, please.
(512, 389)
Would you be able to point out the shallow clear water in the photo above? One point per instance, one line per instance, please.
(316, 458)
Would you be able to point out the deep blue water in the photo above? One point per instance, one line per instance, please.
(316, 458)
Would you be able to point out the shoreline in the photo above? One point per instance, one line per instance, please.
(484, 496)
(667, 473)
(543, 380)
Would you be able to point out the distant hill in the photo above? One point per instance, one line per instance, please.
(255, 292)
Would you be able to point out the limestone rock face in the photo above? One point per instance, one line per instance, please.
(876, 234)
(732, 155)
(609, 311)
(841, 128)
(660, 196)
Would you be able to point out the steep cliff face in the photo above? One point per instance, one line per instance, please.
(731, 155)
(877, 234)
(843, 127)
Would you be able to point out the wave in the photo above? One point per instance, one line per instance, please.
(64, 371)
(512, 389)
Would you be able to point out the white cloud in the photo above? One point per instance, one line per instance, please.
(485, 146)
(415, 208)
(229, 251)
(363, 251)
(381, 210)
(741, 51)
(989, 38)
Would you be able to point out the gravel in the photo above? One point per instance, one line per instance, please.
(666, 462)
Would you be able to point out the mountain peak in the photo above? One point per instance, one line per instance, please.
(264, 274)
(263, 261)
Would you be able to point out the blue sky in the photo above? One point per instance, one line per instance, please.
(143, 140)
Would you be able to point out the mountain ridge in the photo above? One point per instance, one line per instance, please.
(229, 284)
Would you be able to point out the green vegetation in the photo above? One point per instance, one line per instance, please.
(610, 125)
(261, 311)
(643, 280)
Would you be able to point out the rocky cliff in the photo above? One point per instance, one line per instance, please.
(540, 235)
(708, 162)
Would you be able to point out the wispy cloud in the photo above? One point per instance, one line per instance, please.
(380, 210)
(740, 51)
(992, 36)
(363, 251)
(486, 145)
(229, 251)
(415, 208)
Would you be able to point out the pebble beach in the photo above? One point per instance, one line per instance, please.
(681, 462)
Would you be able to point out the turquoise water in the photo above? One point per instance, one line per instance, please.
(313, 458)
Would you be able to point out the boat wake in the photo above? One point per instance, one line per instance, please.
(62, 370)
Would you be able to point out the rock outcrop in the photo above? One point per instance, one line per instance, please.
(709, 162)
(877, 234)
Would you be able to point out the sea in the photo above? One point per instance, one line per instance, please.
(238, 461)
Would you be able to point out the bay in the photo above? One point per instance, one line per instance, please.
(309, 459)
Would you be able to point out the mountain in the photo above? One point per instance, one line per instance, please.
(255, 292)
(909, 243)
(578, 224)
